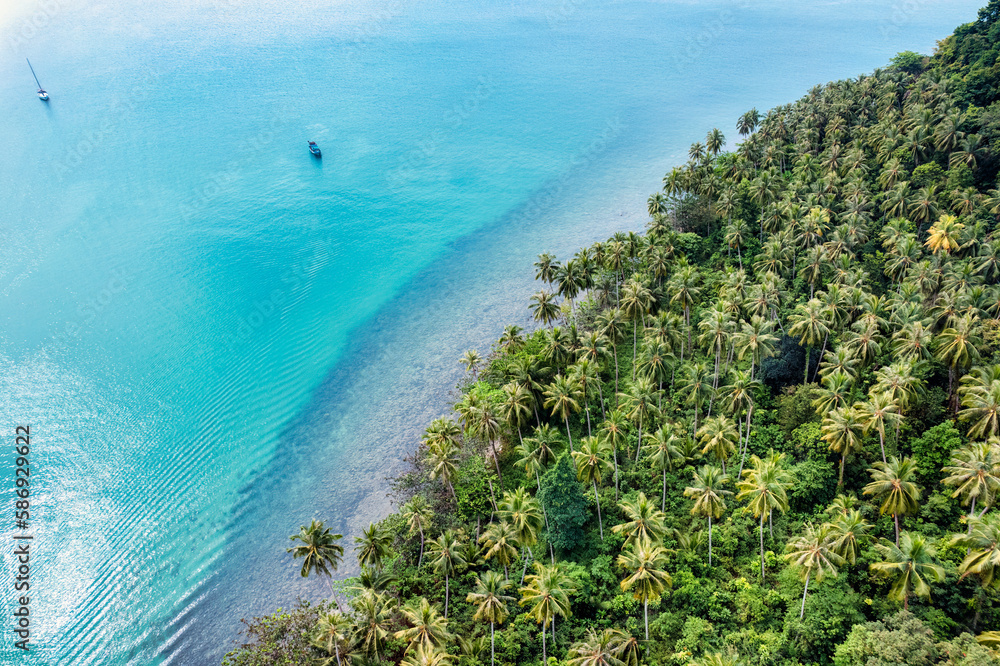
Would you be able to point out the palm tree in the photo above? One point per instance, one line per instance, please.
(975, 471)
(944, 234)
(640, 404)
(447, 558)
(719, 436)
(591, 460)
(373, 613)
(319, 549)
(738, 397)
(602, 648)
(980, 393)
(645, 561)
(561, 398)
(756, 339)
(685, 292)
(892, 482)
(471, 360)
(613, 431)
(662, 453)
(877, 412)
(636, 302)
(545, 268)
(695, 388)
(645, 521)
(544, 307)
(491, 602)
(612, 327)
(418, 517)
(957, 346)
(842, 429)
(499, 540)
(331, 630)
(983, 549)
(848, 532)
(808, 322)
(915, 560)
(765, 488)
(373, 545)
(547, 592)
(443, 459)
(516, 406)
(525, 514)
(585, 374)
(709, 497)
(814, 554)
(429, 629)
(424, 656)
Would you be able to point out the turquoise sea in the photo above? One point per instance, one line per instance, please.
(216, 337)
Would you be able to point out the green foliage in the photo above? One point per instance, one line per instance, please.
(473, 489)
(909, 62)
(932, 450)
(900, 639)
(564, 502)
(927, 174)
(278, 639)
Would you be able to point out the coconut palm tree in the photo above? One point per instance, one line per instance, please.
(613, 431)
(915, 562)
(848, 532)
(471, 360)
(544, 307)
(500, 542)
(418, 517)
(331, 631)
(943, 236)
(516, 406)
(809, 324)
(525, 514)
(982, 545)
(545, 268)
(640, 405)
(319, 549)
(611, 324)
(718, 435)
(598, 648)
(373, 615)
(957, 347)
(561, 397)
(645, 562)
(764, 486)
(645, 521)
(814, 554)
(447, 559)
(877, 412)
(892, 483)
(709, 495)
(585, 374)
(685, 291)
(980, 395)
(429, 630)
(975, 471)
(842, 429)
(591, 461)
(695, 388)
(491, 603)
(373, 546)
(637, 299)
(756, 339)
(662, 453)
(443, 460)
(547, 593)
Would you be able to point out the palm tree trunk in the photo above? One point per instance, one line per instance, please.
(614, 451)
(524, 556)
(421, 558)
(597, 500)
(972, 513)
(770, 525)
(569, 434)
(822, 352)
(336, 648)
(496, 461)
(600, 394)
(638, 447)
(493, 499)
(895, 518)
(840, 481)
(447, 590)
(545, 659)
(761, 549)
(645, 614)
(493, 659)
(802, 613)
(587, 410)
(635, 336)
(881, 442)
(614, 348)
(452, 489)
(805, 379)
(709, 541)
(663, 502)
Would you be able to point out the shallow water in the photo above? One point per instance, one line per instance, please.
(216, 337)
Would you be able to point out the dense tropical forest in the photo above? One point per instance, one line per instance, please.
(765, 431)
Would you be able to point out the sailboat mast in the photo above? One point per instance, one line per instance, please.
(33, 74)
